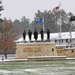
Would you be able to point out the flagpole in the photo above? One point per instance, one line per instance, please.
(60, 35)
(43, 24)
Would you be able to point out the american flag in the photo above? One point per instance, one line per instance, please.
(56, 9)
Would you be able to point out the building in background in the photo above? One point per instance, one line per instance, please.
(67, 38)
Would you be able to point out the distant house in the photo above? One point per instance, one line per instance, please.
(64, 38)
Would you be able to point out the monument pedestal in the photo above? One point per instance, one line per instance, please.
(25, 50)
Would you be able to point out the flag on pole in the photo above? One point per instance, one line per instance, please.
(39, 20)
(72, 18)
(56, 9)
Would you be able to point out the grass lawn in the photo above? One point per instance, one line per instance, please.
(65, 67)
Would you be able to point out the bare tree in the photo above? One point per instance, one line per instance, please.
(8, 35)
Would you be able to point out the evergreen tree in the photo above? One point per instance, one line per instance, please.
(1, 8)
(25, 23)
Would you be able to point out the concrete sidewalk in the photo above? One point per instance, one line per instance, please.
(12, 59)
(18, 60)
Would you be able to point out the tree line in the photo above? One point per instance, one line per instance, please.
(51, 21)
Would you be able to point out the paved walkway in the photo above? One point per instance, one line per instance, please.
(11, 57)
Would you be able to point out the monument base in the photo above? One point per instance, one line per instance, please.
(43, 51)
(25, 50)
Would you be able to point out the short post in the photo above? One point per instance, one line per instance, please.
(2, 58)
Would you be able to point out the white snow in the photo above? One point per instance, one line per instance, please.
(53, 36)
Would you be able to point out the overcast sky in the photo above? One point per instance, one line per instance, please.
(16, 9)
